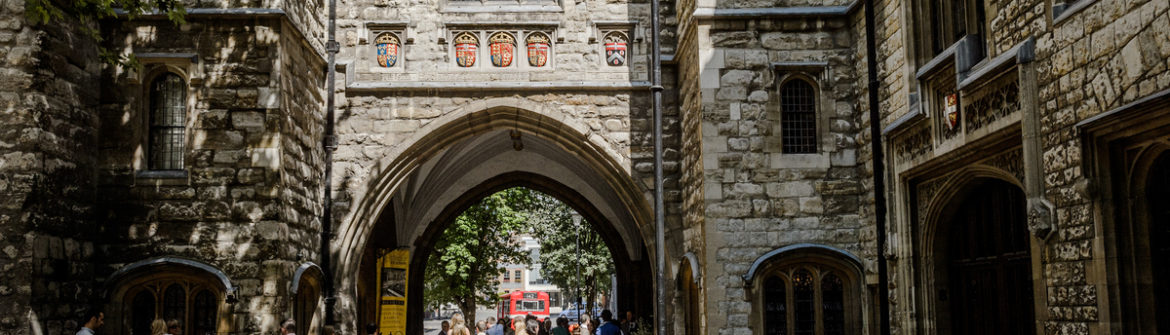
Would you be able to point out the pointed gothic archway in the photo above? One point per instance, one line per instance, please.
(468, 154)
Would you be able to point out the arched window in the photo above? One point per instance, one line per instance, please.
(817, 301)
(805, 290)
(165, 293)
(798, 117)
(168, 118)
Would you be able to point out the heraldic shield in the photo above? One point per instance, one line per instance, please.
(466, 46)
(615, 49)
(387, 45)
(537, 49)
(503, 49)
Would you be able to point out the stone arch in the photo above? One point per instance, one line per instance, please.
(204, 295)
(152, 265)
(951, 189)
(824, 262)
(425, 159)
(475, 119)
(934, 239)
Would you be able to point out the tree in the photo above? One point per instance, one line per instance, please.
(86, 13)
(589, 268)
(464, 265)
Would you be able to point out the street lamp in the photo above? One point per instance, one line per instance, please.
(577, 234)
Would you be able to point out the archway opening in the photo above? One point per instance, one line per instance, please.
(514, 253)
(983, 260)
(414, 201)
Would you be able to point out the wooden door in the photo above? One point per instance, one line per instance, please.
(990, 274)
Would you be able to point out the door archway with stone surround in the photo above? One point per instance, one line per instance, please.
(464, 153)
(977, 255)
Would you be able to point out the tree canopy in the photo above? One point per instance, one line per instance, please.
(562, 263)
(466, 259)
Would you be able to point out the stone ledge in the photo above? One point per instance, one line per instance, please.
(773, 12)
(499, 86)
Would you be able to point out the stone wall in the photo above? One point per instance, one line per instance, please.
(1105, 56)
(255, 105)
(48, 93)
(755, 198)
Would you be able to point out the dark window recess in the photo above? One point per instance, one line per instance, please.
(175, 303)
(833, 304)
(203, 322)
(798, 118)
(804, 302)
(142, 313)
(168, 117)
(775, 307)
(1158, 194)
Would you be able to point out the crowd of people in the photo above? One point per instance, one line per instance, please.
(532, 325)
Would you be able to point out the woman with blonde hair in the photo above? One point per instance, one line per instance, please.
(458, 325)
(158, 327)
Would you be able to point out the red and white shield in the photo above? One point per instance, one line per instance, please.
(615, 51)
(537, 54)
(466, 47)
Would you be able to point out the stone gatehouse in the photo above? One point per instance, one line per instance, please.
(1021, 152)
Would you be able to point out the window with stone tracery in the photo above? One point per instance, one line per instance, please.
(804, 300)
(193, 303)
(168, 118)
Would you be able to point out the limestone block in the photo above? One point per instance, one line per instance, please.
(790, 189)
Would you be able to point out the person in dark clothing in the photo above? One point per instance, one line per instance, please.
(609, 327)
(562, 327)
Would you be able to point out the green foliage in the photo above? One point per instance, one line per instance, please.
(562, 263)
(86, 13)
(465, 263)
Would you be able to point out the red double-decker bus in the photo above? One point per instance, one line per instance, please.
(522, 303)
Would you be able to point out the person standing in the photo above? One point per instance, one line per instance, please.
(630, 324)
(519, 327)
(507, 325)
(562, 327)
(174, 328)
(494, 328)
(371, 329)
(586, 325)
(458, 325)
(289, 327)
(608, 327)
(446, 325)
(532, 326)
(158, 327)
(93, 319)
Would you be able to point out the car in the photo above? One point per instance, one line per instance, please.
(573, 313)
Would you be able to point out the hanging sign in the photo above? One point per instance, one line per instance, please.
(394, 268)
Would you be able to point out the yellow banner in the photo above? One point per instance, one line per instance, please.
(394, 270)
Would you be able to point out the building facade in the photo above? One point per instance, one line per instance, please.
(1022, 148)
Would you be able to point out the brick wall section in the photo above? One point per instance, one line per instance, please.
(48, 99)
(1101, 58)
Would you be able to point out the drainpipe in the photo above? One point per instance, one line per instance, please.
(330, 143)
(879, 173)
(659, 210)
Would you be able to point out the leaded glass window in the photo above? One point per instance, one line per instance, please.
(168, 118)
(798, 118)
(192, 302)
(775, 307)
(806, 299)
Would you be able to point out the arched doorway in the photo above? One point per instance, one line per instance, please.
(1157, 197)
(458, 162)
(986, 260)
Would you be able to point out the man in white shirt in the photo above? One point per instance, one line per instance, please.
(94, 319)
